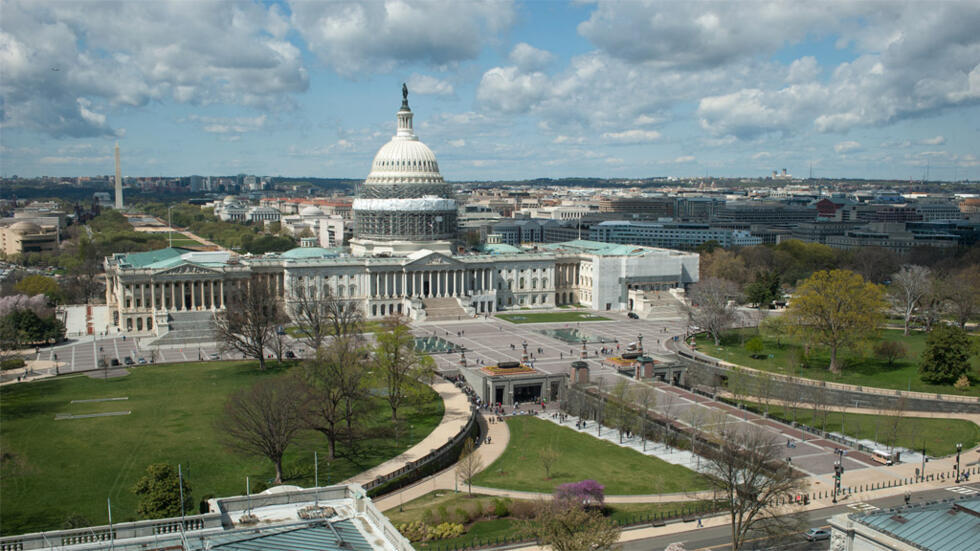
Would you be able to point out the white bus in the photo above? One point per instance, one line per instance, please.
(883, 457)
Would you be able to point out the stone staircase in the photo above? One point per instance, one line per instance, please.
(662, 305)
(443, 309)
(187, 328)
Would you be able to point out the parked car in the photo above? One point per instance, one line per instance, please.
(128, 361)
(816, 534)
(633, 316)
(214, 356)
(114, 362)
(141, 360)
(290, 354)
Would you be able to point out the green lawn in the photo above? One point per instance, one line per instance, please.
(551, 317)
(443, 506)
(51, 469)
(939, 436)
(366, 327)
(582, 456)
(861, 367)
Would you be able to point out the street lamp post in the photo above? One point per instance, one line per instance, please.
(959, 448)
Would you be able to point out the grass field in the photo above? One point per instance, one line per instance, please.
(551, 317)
(582, 456)
(444, 506)
(51, 469)
(861, 367)
(939, 436)
(366, 327)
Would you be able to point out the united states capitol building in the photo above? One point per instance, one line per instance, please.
(405, 259)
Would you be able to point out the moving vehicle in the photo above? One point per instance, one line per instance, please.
(816, 534)
(882, 456)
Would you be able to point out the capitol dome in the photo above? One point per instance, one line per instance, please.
(311, 211)
(404, 198)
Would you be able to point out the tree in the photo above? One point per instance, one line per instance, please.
(646, 399)
(764, 289)
(875, 264)
(963, 294)
(333, 384)
(723, 264)
(36, 284)
(397, 363)
(319, 314)
(749, 472)
(909, 286)
(548, 457)
(158, 492)
(754, 347)
(890, 351)
(249, 321)
(469, 464)
(946, 356)
(836, 308)
(774, 327)
(584, 493)
(712, 305)
(566, 526)
(263, 420)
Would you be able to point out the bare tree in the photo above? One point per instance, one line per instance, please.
(766, 388)
(548, 457)
(646, 399)
(264, 419)
(894, 421)
(669, 411)
(620, 413)
(712, 305)
(320, 314)
(749, 472)
(333, 381)
(821, 405)
(909, 286)
(397, 363)
(697, 417)
(248, 323)
(963, 293)
(469, 464)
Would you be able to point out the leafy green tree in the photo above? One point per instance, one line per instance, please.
(890, 351)
(764, 289)
(754, 347)
(947, 355)
(159, 492)
(397, 363)
(836, 308)
(36, 284)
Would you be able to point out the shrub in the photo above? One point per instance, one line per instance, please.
(461, 515)
(12, 363)
(962, 383)
(419, 531)
(585, 492)
(427, 516)
(414, 531)
(500, 508)
(446, 530)
(443, 513)
(522, 510)
(890, 351)
(754, 347)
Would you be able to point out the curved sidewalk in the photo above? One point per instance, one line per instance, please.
(456, 414)
(447, 479)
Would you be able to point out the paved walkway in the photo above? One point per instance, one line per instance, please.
(447, 478)
(457, 413)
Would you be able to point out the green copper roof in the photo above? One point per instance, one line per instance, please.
(309, 252)
(148, 258)
(500, 248)
(595, 247)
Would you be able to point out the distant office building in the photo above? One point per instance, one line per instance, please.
(698, 208)
(776, 214)
(669, 235)
(893, 236)
(23, 235)
(934, 526)
(938, 210)
(649, 207)
(196, 184)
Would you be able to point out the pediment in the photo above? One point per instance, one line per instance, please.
(186, 269)
(433, 259)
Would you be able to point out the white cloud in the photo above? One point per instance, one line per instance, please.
(64, 160)
(561, 138)
(762, 155)
(634, 136)
(802, 70)
(426, 85)
(684, 159)
(938, 140)
(229, 125)
(376, 36)
(528, 58)
(458, 143)
(67, 64)
(847, 147)
(510, 91)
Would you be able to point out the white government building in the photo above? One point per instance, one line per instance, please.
(405, 259)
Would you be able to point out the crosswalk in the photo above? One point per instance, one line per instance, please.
(962, 490)
(862, 507)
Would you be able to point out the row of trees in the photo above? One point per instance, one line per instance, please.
(329, 392)
(244, 237)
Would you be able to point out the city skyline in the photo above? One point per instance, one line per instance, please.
(501, 90)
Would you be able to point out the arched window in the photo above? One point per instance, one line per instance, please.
(534, 283)
(520, 284)
(352, 290)
(340, 290)
(544, 283)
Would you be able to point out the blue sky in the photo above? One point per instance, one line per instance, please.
(500, 89)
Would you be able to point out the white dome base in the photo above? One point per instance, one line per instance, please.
(371, 247)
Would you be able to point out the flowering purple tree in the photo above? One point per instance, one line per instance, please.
(37, 304)
(588, 493)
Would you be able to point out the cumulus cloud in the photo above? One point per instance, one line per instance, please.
(804, 69)
(509, 90)
(425, 84)
(634, 136)
(938, 140)
(66, 64)
(684, 159)
(375, 36)
(229, 125)
(847, 147)
(529, 58)
(762, 155)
